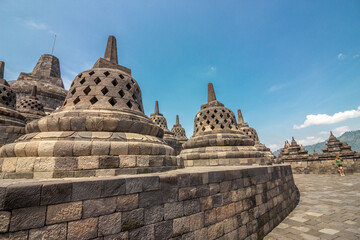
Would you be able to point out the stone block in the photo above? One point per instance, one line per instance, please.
(133, 185)
(147, 199)
(187, 193)
(27, 218)
(113, 187)
(127, 161)
(191, 207)
(217, 200)
(63, 149)
(146, 232)
(57, 231)
(173, 210)
(206, 203)
(118, 148)
(181, 226)
(215, 231)
(202, 190)
(109, 224)
(4, 221)
(22, 195)
(163, 230)
(118, 236)
(44, 164)
(127, 202)
(201, 234)
(100, 148)
(82, 148)
(151, 183)
(83, 229)
(196, 221)
(154, 214)
(108, 162)
(210, 217)
(9, 164)
(21, 235)
(53, 193)
(63, 212)
(98, 207)
(214, 188)
(132, 219)
(25, 164)
(88, 162)
(88, 189)
(142, 161)
(19, 149)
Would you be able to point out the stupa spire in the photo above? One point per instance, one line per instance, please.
(211, 93)
(34, 92)
(240, 117)
(156, 108)
(111, 50)
(2, 66)
(177, 120)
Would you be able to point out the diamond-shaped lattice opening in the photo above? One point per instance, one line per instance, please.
(228, 115)
(132, 80)
(106, 73)
(200, 113)
(225, 121)
(121, 76)
(32, 107)
(76, 100)
(128, 86)
(112, 101)
(129, 104)
(114, 82)
(121, 93)
(140, 108)
(82, 81)
(213, 116)
(216, 121)
(207, 111)
(208, 122)
(134, 97)
(104, 90)
(215, 111)
(87, 90)
(203, 128)
(200, 123)
(222, 126)
(79, 76)
(72, 84)
(221, 115)
(204, 117)
(212, 127)
(93, 100)
(4, 88)
(97, 80)
(230, 126)
(223, 110)
(91, 73)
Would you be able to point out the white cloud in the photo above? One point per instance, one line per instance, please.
(274, 147)
(340, 130)
(324, 133)
(341, 56)
(310, 140)
(39, 26)
(321, 119)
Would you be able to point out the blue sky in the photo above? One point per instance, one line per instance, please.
(279, 61)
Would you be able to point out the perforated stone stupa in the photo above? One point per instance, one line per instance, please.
(30, 107)
(47, 77)
(169, 136)
(179, 131)
(293, 152)
(217, 139)
(101, 129)
(251, 133)
(12, 123)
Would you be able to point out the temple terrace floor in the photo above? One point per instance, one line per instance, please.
(329, 208)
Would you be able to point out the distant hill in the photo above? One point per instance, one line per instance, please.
(352, 138)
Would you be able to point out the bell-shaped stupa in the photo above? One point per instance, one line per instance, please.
(169, 136)
(100, 130)
(31, 107)
(179, 131)
(217, 140)
(251, 133)
(46, 76)
(12, 123)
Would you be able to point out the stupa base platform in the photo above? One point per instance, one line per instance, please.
(9, 134)
(193, 203)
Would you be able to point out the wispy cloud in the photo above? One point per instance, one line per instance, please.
(212, 68)
(341, 56)
(275, 88)
(340, 130)
(274, 147)
(322, 119)
(356, 56)
(39, 26)
(310, 140)
(324, 132)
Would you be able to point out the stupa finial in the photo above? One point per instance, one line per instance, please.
(240, 117)
(157, 107)
(34, 92)
(2, 66)
(331, 134)
(177, 120)
(211, 93)
(111, 50)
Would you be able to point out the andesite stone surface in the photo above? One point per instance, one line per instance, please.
(217, 139)
(179, 131)
(31, 107)
(293, 152)
(100, 130)
(169, 136)
(12, 123)
(47, 77)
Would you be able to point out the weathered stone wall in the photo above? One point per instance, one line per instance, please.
(9, 134)
(324, 166)
(196, 203)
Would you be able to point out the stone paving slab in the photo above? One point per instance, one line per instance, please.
(329, 208)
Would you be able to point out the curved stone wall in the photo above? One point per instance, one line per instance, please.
(196, 203)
